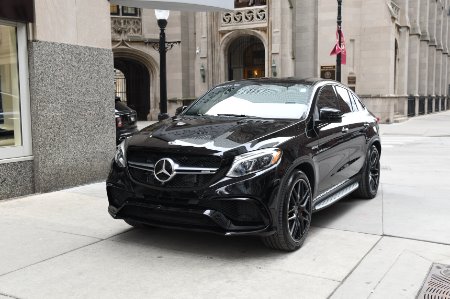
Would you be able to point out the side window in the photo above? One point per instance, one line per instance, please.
(344, 100)
(327, 98)
(357, 102)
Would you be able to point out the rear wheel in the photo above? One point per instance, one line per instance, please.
(370, 180)
(294, 214)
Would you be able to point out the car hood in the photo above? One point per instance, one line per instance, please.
(214, 136)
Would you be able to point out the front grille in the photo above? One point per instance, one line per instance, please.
(141, 164)
(183, 160)
(178, 181)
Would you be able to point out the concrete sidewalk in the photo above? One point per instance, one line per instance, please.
(65, 244)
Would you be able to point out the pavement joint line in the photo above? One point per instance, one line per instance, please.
(59, 255)
(382, 207)
(385, 273)
(74, 234)
(349, 231)
(417, 240)
(356, 266)
(392, 265)
(9, 296)
(296, 273)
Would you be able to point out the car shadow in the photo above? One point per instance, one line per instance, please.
(198, 243)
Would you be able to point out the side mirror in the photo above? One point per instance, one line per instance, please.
(330, 115)
(180, 110)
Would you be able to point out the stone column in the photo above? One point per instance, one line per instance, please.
(305, 28)
(414, 47)
(424, 48)
(432, 48)
(439, 48)
(445, 33)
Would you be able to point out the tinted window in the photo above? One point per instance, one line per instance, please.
(327, 98)
(344, 100)
(357, 102)
(271, 100)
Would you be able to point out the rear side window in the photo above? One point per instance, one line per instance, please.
(357, 102)
(344, 101)
(327, 98)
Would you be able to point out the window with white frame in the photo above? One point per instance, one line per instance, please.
(15, 129)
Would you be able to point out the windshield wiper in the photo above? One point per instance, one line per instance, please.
(236, 115)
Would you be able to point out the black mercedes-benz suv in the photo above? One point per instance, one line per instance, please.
(249, 157)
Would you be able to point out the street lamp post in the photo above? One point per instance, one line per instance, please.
(162, 16)
(339, 55)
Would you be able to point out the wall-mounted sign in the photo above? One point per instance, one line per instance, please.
(17, 10)
(351, 80)
(328, 72)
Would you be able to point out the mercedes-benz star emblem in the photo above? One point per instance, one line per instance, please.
(164, 170)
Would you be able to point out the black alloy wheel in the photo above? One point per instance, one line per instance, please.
(374, 170)
(370, 179)
(294, 214)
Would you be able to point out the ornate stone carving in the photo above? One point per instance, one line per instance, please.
(245, 16)
(125, 27)
(394, 9)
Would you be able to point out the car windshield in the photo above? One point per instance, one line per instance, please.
(250, 99)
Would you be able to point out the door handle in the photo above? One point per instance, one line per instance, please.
(345, 130)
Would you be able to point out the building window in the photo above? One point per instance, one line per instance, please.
(249, 3)
(130, 11)
(126, 11)
(114, 10)
(15, 131)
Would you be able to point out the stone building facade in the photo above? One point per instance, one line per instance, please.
(57, 126)
(397, 51)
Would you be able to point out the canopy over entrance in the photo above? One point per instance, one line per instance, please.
(186, 5)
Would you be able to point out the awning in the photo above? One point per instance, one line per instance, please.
(187, 5)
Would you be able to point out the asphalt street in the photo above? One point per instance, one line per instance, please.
(65, 244)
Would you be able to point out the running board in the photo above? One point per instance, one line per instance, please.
(341, 194)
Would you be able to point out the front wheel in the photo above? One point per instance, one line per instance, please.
(370, 179)
(294, 214)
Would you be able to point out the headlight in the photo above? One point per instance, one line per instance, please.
(254, 162)
(120, 158)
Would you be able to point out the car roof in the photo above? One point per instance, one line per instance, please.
(289, 80)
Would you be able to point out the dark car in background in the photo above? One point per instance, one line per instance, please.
(252, 157)
(126, 121)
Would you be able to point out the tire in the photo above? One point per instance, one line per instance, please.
(294, 214)
(370, 176)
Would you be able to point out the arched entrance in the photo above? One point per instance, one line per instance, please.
(246, 58)
(135, 85)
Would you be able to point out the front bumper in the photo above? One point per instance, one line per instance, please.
(229, 207)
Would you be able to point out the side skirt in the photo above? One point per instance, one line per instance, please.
(328, 201)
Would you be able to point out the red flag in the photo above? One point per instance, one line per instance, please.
(340, 48)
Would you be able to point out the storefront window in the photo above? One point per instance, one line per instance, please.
(14, 104)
